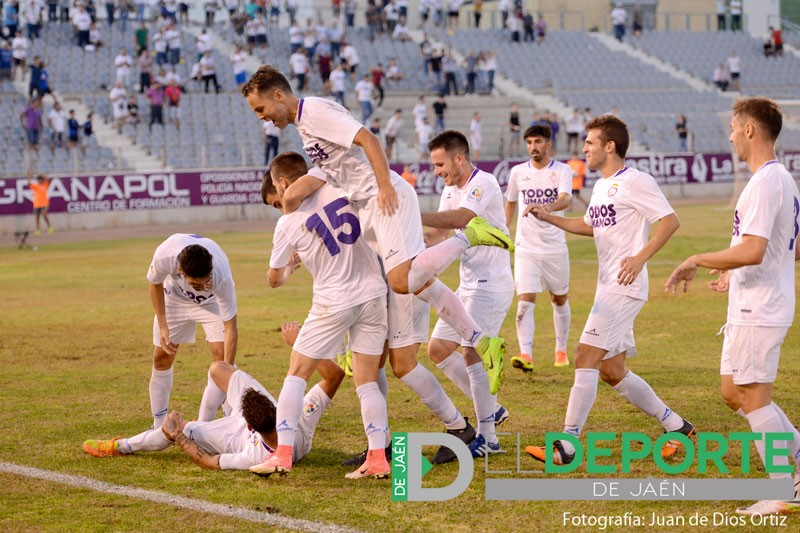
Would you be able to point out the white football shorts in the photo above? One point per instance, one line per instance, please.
(535, 273)
(322, 332)
(610, 324)
(751, 353)
(182, 320)
(409, 320)
(487, 309)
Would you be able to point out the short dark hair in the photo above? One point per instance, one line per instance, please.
(195, 261)
(265, 79)
(267, 187)
(451, 141)
(764, 111)
(611, 129)
(258, 411)
(289, 165)
(539, 130)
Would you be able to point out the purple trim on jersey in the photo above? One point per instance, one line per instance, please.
(618, 172)
(552, 162)
(299, 110)
(265, 445)
(475, 171)
(765, 165)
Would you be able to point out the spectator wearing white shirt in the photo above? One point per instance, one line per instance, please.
(124, 64)
(735, 68)
(310, 39)
(392, 131)
(55, 119)
(400, 32)
(19, 55)
(736, 15)
(364, 90)
(424, 134)
(419, 111)
(160, 47)
(202, 43)
(618, 18)
(272, 139)
(350, 55)
(239, 66)
(295, 37)
(119, 104)
(338, 83)
(208, 71)
(475, 136)
(393, 72)
(82, 22)
(299, 65)
(173, 37)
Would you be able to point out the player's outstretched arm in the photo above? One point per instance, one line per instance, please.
(231, 340)
(157, 299)
(511, 211)
(450, 219)
(387, 196)
(630, 267)
(173, 429)
(575, 225)
(298, 191)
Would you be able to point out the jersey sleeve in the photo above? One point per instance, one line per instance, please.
(646, 197)
(226, 298)
(331, 122)
(565, 180)
(253, 454)
(759, 209)
(512, 191)
(160, 267)
(478, 197)
(281, 246)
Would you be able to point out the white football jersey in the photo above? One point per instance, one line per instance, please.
(327, 130)
(326, 234)
(164, 269)
(529, 185)
(482, 267)
(769, 207)
(621, 210)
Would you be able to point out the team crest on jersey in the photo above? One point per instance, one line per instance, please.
(310, 408)
(316, 153)
(553, 177)
(254, 439)
(613, 190)
(475, 195)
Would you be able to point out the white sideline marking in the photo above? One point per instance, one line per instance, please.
(171, 499)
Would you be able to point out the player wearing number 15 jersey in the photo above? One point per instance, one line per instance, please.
(349, 298)
(758, 271)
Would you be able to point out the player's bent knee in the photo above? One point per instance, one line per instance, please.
(558, 299)
(529, 297)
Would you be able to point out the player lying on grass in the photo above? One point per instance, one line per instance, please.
(247, 436)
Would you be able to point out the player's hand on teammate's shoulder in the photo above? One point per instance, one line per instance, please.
(722, 283)
(387, 200)
(289, 332)
(686, 272)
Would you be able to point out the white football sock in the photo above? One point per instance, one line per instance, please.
(160, 387)
(432, 261)
(383, 384)
(455, 368)
(581, 399)
(525, 326)
(430, 391)
(639, 393)
(290, 406)
(484, 401)
(562, 317)
(373, 414)
(152, 440)
(767, 420)
(213, 397)
(788, 427)
(314, 404)
(451, 310)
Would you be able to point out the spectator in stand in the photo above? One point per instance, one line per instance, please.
(31, 119)
(156, 96)
(172, 95)
(419, 111)
(490, 65)
(274, 12)
(470, 65)
(638, 20)
(409, 176)
(64, 11)
(170, 9)
(52, 10)
(119, 104)
(735, 69)
(173, 37)
(11, 18)
(251, 29)
(392, 131)
(578, 177)
(55, 121)
(736, 15)
(527, 27)
(88, 132)
(394, 74)
(171, 76)
(133, 112)
(141, 38)
(350, 7)
(32, 13)
(449, 66)
(183, 12)
(73, 130)
(720, 4)
(110, 10)
(555, 125)
(350, 55)
(291, 10)
(392, 16)
(776, 36)
(124, 64)
(452, 15)
(261, 31)
(375, 128)
(514, 25)
(424, 134)
(299, 65)
(720, 77)
(36, 77)
(82, 21)
(335, 36)
(295, 37)
(477, 11)
(437, 56)
(426, 50)
(338, 78)
(239, 63)
(364, 90)
(208, 71)
(44, 82)
(163, 22)
(618, 18)
(475, 136)
(683, 134)
(211, 10)
(504, 6)
(160, 48)
(541, 29)
(202, 43)
(41, 202)
(95, 40)
(145, 64)
(272, 140)
(161, 77)
(124, 14)
(141, 5)
(324, 62)
(378, 74)
(6, 61)
(439, 108)
(574, 126)
(514, 131)
(19, 54)
(400, 32)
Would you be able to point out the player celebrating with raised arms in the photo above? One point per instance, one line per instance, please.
(541, 259)
(349, 296)
(354, 160)
(758, 271)
(624, 203)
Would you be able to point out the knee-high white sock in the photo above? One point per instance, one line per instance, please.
(767, 420)
(451, 310)
(525, 326)
(152, 440)
(160, 387)
(788, 427)
(213, 397)
(639, 393)
(290, 407)
(455, 368)
(484, 401)
(383, 384)
(581, 399)
(432, 261)
(562, 316)
(373, 414)
(430, 391)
